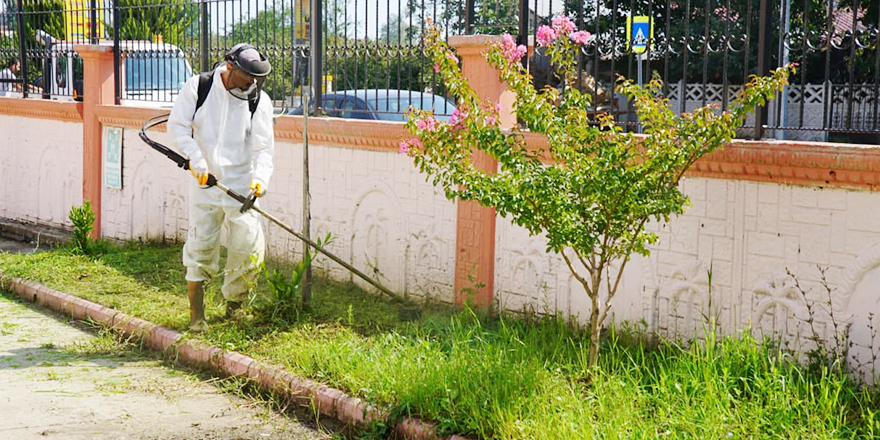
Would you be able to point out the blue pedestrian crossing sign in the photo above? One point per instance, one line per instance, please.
(640, 29)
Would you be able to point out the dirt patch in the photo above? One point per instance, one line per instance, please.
(60, 381)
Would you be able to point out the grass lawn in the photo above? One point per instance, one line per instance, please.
(510, 378)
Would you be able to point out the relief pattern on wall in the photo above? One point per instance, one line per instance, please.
(530, 280)
(50, 173)
(152, 204)
(383, 217)
(747, 237)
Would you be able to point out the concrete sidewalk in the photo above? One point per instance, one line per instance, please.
(59, 381)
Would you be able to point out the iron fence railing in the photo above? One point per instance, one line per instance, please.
(372, 62)
(701, 46)
(41, 36)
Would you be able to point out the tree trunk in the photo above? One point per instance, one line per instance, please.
(595, 329)
(594, 335)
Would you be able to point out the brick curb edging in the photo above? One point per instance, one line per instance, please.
(328, 401)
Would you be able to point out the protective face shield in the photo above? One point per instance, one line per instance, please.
(246, 58)
(249, 92)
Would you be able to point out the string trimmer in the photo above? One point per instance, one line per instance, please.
(248, 202)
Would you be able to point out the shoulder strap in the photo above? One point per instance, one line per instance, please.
(206, 80)
(253, 103)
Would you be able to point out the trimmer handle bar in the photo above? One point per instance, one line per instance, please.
(248, 204)
(169, 153)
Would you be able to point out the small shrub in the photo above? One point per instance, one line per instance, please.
(283, 299)
(593, 188)
(83, 219)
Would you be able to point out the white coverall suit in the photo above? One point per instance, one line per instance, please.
(236, 148)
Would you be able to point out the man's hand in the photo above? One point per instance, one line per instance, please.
(199, 170)
(257, 187)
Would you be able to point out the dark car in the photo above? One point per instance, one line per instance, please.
(382, 104)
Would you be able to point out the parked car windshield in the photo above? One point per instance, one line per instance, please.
(155, 71)
(392, 109)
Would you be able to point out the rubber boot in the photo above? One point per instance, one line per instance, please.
(195, 290)
(232, 307)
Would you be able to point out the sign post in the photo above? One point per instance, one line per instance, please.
(640, 29)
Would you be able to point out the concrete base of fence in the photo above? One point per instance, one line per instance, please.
(39, 234)
(329, 402)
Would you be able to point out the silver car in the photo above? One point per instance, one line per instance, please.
(380, 104)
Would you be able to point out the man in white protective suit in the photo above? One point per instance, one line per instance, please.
(227, 132)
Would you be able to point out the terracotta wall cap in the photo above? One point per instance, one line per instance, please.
(128, 117)
(822, 164)
(347, 133)
(479, 40)
(103, 46)
(784, 162)
(67, 111)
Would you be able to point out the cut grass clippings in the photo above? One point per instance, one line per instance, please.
(510, 378)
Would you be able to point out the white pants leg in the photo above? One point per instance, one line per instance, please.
(201, 253)
(246, 248)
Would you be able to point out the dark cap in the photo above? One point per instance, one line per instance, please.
(249, 59)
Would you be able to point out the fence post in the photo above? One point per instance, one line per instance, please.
(97, 91)
(317, 50)
(469, 17)
(93, 22)
(117, 57)
(22, 52)
(203, 35)
(765, 51)
(475, 224)
(523, 36)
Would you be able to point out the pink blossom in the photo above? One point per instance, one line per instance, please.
(405, 145)
(436, 68)
(581, 37)
(457, 117)
(512, 53)
(545, 35)
(427, 124)
(563, 25)
(725, 15)
(498, 108)
(491, 120)
(673, 5)
(452, 57)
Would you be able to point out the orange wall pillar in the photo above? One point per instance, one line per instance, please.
(475, 230)
(97, 90)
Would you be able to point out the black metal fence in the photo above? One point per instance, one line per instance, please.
(372, 62)
(40, 36)
(706, 50)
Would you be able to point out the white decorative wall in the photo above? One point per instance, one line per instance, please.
(152, 204)
(384, 218)
(529, 280)
(748, 235)
(389, 222)
(40, 176)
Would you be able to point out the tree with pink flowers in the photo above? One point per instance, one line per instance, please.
(593, 189)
